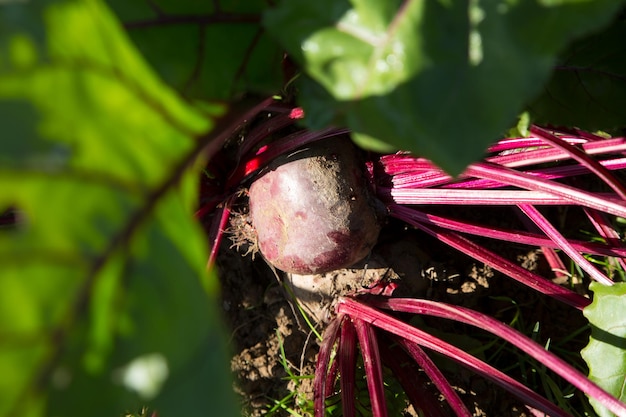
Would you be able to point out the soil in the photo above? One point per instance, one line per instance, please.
(260, 307)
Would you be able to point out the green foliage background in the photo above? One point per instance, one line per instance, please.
(106, 109)
(106, 269)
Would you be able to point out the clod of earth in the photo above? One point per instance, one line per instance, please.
(312, 210)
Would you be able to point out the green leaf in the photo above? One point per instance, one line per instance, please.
(204, 49)
(606, 352)
(105, 302)
(440, 78)
(588, 86)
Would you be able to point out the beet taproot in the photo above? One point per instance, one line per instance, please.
(313, 211)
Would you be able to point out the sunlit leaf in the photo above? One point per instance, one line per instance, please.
(439, 78)
(606, 352)
(104, 299)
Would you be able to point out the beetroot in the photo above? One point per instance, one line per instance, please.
(312, 211)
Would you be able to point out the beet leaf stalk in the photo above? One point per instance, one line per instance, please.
(516, 176)
(368, 310)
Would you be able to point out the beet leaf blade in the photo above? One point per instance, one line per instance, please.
(400, 72)
(104, 269)
(605, 353)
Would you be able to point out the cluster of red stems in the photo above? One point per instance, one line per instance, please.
(519, 173)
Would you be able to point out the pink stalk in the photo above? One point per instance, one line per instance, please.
(545, 173)
(563, 243)
(527, 345)
(333, 370)
(217, 228)
(529, 182)
(440, 381)
(331, 375)
(514, 236)
(543, 155)
(470, 197)
(320, 381)
(347, 367)
(497, 262)
(207, 207)
(405, 331)
(605, 230)
(372, 365)
(583, 159)
(271, 125)
(405, 169)
(523, 144)
(556, 264)
(404, 163)
(252, 164)
(408, 171)
(406, 372)
(603, 145)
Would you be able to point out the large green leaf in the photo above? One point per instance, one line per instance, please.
(588, 86)
(606, 352)
(440, 78)
(105, 302)
(205, 49)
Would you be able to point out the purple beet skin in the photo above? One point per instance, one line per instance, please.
(312, 210)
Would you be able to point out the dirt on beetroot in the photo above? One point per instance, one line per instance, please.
(312, 209)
